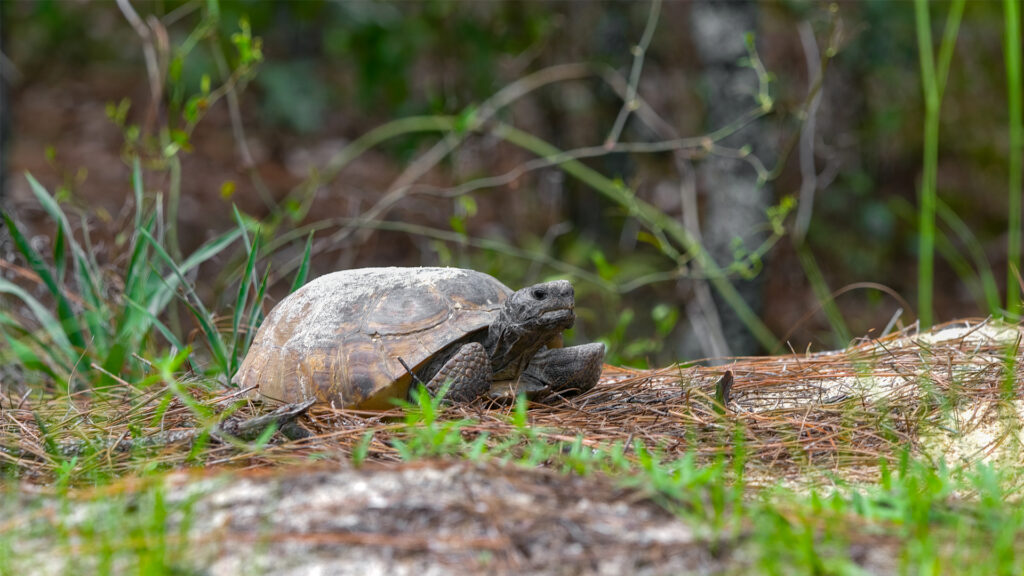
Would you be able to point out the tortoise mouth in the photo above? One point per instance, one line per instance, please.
(559, 316)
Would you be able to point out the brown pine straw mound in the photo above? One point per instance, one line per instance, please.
(952, 394)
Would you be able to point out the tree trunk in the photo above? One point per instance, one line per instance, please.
(733, 202)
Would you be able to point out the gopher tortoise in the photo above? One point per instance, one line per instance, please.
(358, 338)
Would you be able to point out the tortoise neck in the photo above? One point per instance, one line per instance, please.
(509, 349)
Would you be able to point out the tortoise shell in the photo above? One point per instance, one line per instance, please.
(339, 339)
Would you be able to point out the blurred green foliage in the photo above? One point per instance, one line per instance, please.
(339, 69)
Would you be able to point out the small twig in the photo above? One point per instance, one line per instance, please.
(415, 378)
(180, 12)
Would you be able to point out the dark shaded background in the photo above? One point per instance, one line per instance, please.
(333, 71)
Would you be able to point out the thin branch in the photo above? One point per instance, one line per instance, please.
(808, 172)
(500, 100)
(629, 103)
(149, 52)
(238, 128)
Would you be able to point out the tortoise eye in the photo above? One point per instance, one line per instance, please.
(539, 294)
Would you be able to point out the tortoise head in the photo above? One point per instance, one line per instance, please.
(529, 318)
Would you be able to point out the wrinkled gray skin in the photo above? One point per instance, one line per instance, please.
(512, 356)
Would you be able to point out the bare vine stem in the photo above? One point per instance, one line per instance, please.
(629, 102)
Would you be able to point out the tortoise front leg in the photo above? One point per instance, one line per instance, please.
(567, 370)
(469, 371)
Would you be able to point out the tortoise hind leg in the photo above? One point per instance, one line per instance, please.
(468, 370)
(570, 370)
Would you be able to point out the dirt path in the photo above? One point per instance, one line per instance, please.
(420, 518)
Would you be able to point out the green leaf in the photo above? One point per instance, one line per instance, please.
(605, 269)
(362, 449)
(665, 318)
(468, 205)
(466, 120)
(458, 224)
(192, 109)
(174, 68)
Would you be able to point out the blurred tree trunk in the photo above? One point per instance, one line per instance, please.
(733, 202)
(5, 119)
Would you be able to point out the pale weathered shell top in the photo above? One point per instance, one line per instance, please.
(339, 338)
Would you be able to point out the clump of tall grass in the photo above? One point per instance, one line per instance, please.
(103, 330)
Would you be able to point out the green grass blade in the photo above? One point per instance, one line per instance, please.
(28, 349)
(170, 283)
(300, 276)
(209, 250)
(963, 269)
(136, 281)
(62, 350)
(86, 272)
(978, 278)
(824, 295)
(256, 311)
(60, 260)
(985, 278)
(132, 325)
(933, 84)
(156, 323)
(240, 221)
(241, 225)
(137, 190)
(68, 319)
(240, 302)
(97, 314)
(926, 226)
(1012, 49)
(195, 305)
